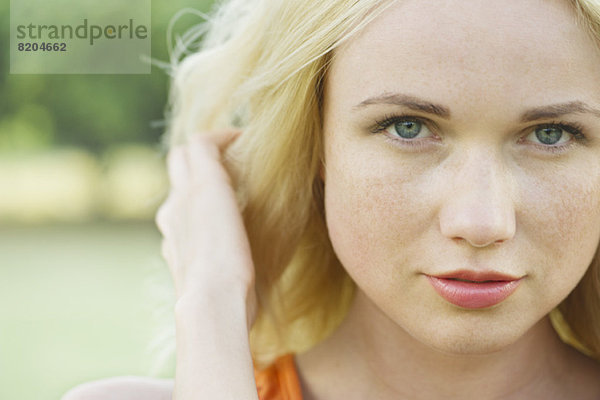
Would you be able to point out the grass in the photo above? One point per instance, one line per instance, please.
(75, 305)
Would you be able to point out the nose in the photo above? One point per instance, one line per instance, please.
(478, 205)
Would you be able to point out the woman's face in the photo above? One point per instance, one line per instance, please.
(465, 136)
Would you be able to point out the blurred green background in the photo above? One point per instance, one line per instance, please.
(83, 289)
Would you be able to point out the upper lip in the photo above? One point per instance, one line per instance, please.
(477, 276)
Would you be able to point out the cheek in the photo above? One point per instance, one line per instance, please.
(374, 209)
(560, 218)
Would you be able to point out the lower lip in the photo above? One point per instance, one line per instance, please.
(473, 294)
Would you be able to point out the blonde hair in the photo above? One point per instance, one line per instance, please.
(260, 66)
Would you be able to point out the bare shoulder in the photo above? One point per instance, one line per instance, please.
(122, 388)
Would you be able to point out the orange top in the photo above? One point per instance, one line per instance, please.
(279, 381)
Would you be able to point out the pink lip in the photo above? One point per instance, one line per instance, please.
(483, 289)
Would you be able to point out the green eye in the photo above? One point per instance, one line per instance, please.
(556, 136)
(549, 135)
(407, 129)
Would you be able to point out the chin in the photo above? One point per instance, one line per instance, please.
(475, 338)
(470, 346)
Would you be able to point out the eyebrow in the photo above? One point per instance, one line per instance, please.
(411, 102)
(534, 114)
(557, 110)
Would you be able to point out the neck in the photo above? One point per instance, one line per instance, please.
(370, 356)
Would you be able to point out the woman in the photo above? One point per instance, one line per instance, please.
(419, 186)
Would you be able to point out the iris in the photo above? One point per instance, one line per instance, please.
(408, 129)
(549, 135)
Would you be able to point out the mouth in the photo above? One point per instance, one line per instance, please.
(466, 280)
(474, 289)
(477, 276)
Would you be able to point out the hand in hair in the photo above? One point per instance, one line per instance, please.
(208, 253)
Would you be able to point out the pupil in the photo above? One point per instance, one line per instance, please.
(548, 135)
(408, 129)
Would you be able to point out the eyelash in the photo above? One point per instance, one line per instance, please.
(573, 129)
(388, 120)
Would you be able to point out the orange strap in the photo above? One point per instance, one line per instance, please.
(279, 381)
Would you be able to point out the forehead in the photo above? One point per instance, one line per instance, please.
(515, 49)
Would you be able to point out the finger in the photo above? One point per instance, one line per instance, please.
(220, 139)
(178, 166)
(204, 157)
(168, 254)
(224, 138)
(162, 218)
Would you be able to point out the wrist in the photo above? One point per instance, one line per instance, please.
(226, 307)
